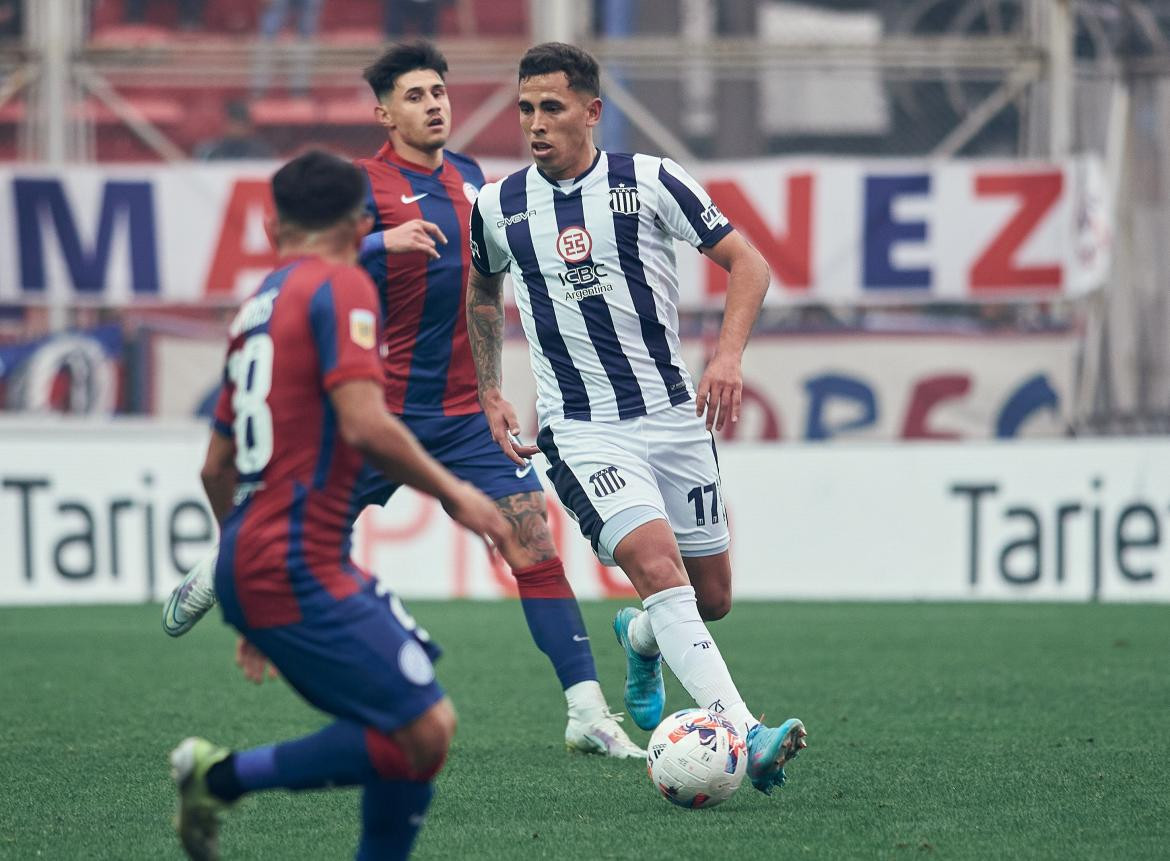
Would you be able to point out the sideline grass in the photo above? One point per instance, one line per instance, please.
(956, 731)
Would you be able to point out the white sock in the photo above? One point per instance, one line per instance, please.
(691, 653)
(585, 699)
(641, 634)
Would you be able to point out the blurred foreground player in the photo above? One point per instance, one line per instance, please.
(301, 410)
(588, 237)
(418, 256)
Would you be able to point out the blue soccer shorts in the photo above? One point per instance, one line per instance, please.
(362, 658)
(465, 446)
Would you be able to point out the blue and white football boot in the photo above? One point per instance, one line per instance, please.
(192, 598)
(645, 691)
(769, 749)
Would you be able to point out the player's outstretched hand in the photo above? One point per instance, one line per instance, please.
(720, 391)
(414, 235)
(252, 661)
(505, 428)
(470, 508)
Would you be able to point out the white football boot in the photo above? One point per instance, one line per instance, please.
(192, 598)
(600, 732)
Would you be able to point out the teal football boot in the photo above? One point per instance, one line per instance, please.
(645, 690)
(770, 749)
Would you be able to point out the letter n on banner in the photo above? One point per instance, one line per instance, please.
(788, 254)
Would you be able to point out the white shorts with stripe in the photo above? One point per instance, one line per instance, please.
(615, 476)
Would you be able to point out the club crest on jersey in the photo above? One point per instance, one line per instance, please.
(623, 200)
(606, 481)
(574, 244)
(470, 192)
(362, 328)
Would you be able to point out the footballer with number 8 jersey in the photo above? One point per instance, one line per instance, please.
(588, 237)
(301, 410)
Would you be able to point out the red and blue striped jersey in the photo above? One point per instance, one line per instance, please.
(429, 369)
(311, 326)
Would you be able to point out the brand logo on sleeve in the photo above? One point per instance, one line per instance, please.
(362, 328)
(713, 217)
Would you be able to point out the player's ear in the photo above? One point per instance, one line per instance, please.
(382, 116)
(272, 231)
(593, 112)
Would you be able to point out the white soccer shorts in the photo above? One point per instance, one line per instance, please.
(615, 476)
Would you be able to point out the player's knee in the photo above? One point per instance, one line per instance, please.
(712, 608)
(430, 739)
(657, 573)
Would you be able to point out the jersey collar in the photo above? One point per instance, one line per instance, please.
(561, 185)
(390, 155)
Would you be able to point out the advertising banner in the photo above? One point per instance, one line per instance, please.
(115, 513)
(826, 388)
(832, 230)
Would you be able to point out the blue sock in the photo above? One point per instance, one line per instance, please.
(392, 814)
(554, 618)
(335, 756)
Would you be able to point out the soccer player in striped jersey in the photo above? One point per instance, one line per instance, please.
(300, 411)
(419, 195)
(588, 238)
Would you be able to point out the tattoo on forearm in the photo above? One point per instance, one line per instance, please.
(485, 329)
(525, 512)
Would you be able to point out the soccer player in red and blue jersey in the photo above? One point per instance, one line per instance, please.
(300, 412)
(419, 257)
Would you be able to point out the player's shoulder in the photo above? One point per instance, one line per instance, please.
(492, 192)
(466, 165)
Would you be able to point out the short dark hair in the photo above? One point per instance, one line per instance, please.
(317, 190)
(399, 59)
(577, 64)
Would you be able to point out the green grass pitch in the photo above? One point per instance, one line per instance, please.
(952, 731)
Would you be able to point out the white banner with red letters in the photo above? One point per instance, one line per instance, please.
(113, 512)
(833, 231)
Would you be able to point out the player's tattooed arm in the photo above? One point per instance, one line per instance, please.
(531, 542)
(485, 328)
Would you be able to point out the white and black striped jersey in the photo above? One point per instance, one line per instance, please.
(592, 263)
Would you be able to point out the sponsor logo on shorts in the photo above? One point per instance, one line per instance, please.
(606, 481)
(524, 470)
(416, 667)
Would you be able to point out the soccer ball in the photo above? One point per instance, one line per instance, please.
(696, 758)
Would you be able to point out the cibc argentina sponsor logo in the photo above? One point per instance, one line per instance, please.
(624, 200)
(584, 280)
(574, 244)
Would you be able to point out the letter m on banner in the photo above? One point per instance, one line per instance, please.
(41, 203)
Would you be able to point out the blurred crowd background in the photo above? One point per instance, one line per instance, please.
(131, 82)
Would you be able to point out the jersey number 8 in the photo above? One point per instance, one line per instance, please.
(250, 370)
